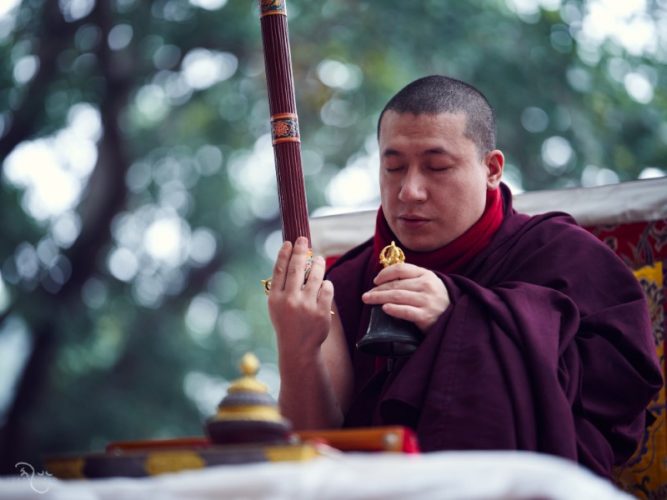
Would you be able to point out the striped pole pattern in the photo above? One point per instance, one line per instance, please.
(284, 120)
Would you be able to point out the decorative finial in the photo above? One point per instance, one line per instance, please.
(249, 364)
(247, 413)
(248, 383)
(391, 254)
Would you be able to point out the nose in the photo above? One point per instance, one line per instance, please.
(413, 187)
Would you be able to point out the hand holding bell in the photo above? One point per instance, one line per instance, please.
(386, 335)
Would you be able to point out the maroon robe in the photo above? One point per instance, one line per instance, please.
(546, 346)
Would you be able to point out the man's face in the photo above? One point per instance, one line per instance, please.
(433, 180)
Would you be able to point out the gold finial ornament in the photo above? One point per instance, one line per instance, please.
(248, 383)
(391, 254)
(249, 364)
(247, 413)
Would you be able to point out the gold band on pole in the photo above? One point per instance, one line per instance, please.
(273, 8)
(285, 128)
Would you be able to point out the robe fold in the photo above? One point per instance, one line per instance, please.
(546, 346)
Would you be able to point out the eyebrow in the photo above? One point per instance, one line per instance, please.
(390, 152)
(429, 152)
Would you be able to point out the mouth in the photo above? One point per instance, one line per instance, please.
(410, 220)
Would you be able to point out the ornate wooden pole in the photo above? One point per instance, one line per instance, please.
(284, 120)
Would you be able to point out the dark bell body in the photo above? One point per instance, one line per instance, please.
(389, 336)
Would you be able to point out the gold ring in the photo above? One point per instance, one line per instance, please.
(267, 285)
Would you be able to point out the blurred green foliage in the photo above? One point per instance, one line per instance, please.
(129, 308)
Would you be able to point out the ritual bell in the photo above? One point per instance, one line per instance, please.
(386, 335)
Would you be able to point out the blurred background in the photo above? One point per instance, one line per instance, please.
(138, 204)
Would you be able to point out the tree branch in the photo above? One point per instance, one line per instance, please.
(57, 36)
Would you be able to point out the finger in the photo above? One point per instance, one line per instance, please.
(401, 297)
(296, 268)
(414, 284)
(398, 272)
(314, 281)
(280, 267)
(408, 313)
(325, 295)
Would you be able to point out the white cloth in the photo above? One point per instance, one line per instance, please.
(442, 476)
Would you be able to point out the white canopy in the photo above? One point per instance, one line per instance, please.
(614, 204)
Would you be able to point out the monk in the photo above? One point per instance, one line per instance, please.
(535, 335)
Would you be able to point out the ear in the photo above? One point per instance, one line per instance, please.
(495, 162)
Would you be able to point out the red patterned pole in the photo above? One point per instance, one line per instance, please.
(284, 120)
